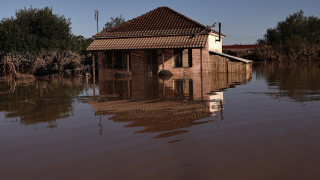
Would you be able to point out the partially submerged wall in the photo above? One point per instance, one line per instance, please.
(142, 62)
(196, 62)
(223, 64)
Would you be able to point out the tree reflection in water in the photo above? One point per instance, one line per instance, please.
(299, 82)
(40, 101)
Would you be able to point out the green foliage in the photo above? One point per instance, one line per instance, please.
(79, 44)
(33, 30)
(114, 22)
(39, 42)
(295, 37)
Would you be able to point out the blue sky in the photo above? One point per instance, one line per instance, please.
(243, 21)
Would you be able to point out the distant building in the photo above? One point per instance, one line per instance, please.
(245, 47)
(161, 39)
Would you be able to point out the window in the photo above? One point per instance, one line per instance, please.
(182, 58)
(190, 57)
(117, 59)
(177, 53)
(108, 60)
(120, 59)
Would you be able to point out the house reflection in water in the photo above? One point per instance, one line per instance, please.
(165, 106)
(216, 102)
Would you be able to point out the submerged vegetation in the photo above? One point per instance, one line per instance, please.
(41, 43)
(295, 39)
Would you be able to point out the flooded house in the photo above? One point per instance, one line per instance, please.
(163, 39)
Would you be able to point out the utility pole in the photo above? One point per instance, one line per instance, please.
(96, 17)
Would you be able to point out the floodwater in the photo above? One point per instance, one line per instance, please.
(264, 125)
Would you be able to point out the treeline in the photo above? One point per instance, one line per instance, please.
(295, 39)
(36, 40)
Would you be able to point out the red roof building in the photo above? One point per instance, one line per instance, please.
(161, 39)
(245, 47)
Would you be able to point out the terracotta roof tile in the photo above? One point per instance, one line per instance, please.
(158, 22)
(159, 42)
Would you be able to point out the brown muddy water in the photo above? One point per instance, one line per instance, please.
(264, 125)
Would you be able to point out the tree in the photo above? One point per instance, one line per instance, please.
(33, 30)
(114, 22)
(39, 42)
(79, 44)
(295, 37)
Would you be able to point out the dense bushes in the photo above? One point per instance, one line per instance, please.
(36, 40)
(49, 62)
(295, 39)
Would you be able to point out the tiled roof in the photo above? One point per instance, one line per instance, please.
(158, 22)
(158, 42)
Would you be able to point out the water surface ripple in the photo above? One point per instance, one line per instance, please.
(265, 125)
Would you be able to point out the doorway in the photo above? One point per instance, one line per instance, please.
(152, 62)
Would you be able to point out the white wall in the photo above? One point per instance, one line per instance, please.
(214, 44)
